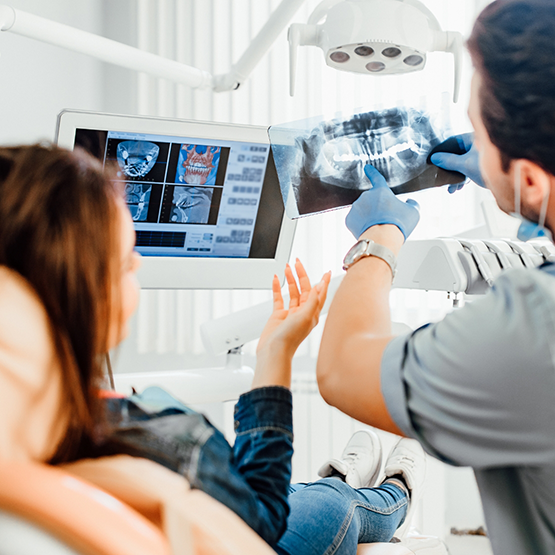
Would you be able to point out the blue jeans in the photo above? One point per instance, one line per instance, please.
(252, 478)
(330, 517)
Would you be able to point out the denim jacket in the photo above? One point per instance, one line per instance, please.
(251, 478)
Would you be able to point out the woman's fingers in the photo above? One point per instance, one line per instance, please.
(312, 302)
(317, 297)
(323, 289)
(297, 298)
(276, 290)
(310, 310)
(294, 295)
(303, 280)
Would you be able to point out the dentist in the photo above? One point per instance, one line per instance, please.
(478, 388)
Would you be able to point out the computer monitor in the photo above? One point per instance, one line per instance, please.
(204, 197)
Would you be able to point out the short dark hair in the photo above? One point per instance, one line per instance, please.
(58, 217)
(513, 48)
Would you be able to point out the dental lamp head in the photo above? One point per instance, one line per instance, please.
(374, 37)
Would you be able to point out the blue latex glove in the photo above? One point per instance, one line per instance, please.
(468, 164)
(379, 206)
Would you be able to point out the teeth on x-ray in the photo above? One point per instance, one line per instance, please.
(396, 142)
(137, 158)
(138, 198)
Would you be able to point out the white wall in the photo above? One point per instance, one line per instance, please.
(37, 81)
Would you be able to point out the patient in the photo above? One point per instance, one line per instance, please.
(67, 291)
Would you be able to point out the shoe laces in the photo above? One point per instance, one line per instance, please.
(407, 460)
(351, 458)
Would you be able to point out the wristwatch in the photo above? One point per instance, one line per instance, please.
(366, 247)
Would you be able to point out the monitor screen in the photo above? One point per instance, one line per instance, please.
(203, 196)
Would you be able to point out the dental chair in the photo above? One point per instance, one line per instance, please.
(47, 510)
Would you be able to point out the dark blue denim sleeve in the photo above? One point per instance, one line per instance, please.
(253, 479)
(263, 449)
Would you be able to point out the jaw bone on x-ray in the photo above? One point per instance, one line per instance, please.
(191, 205)
(322, 167)
(137, 158)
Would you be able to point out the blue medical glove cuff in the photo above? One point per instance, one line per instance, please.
(357, 231)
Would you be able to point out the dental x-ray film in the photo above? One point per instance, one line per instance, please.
(320, 164)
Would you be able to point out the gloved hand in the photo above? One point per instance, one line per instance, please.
(379, 206)
(468, 164)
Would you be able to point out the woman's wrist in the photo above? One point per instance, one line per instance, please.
(273, 365)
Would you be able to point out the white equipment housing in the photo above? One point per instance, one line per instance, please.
(465, 266)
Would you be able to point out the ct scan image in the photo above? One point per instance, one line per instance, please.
(190, 205)
(198, 164)
(138, 198)
(137, 158)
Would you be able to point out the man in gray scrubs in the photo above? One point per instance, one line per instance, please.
(478, 388)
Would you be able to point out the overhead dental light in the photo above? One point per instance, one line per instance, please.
(375, 37)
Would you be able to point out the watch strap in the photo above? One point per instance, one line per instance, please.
(375, 249)
(379, 251)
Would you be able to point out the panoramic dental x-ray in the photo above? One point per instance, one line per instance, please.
(321, 166)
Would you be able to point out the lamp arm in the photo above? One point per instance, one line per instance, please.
(456, 48)
(321, 10)
(453, 42)
(299, 34)
(424, 9)
(107, 50)
(260, 44)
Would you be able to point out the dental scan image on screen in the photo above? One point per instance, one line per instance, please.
(320, 164)
(191, 205)
(138, 200)
(189, 196)
(198, 164)
(137, 158)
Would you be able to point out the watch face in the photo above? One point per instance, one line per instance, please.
(355, 253)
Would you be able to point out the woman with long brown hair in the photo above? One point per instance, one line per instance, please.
(67, 290)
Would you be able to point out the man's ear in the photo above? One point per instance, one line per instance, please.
(535, 183)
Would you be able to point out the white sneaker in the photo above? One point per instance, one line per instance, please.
(360, 462)
(408, 459)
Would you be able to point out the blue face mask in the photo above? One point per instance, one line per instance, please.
(529, 229)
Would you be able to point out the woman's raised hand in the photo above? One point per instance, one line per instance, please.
(288, 327)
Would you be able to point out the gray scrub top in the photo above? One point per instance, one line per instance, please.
(478, 389)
